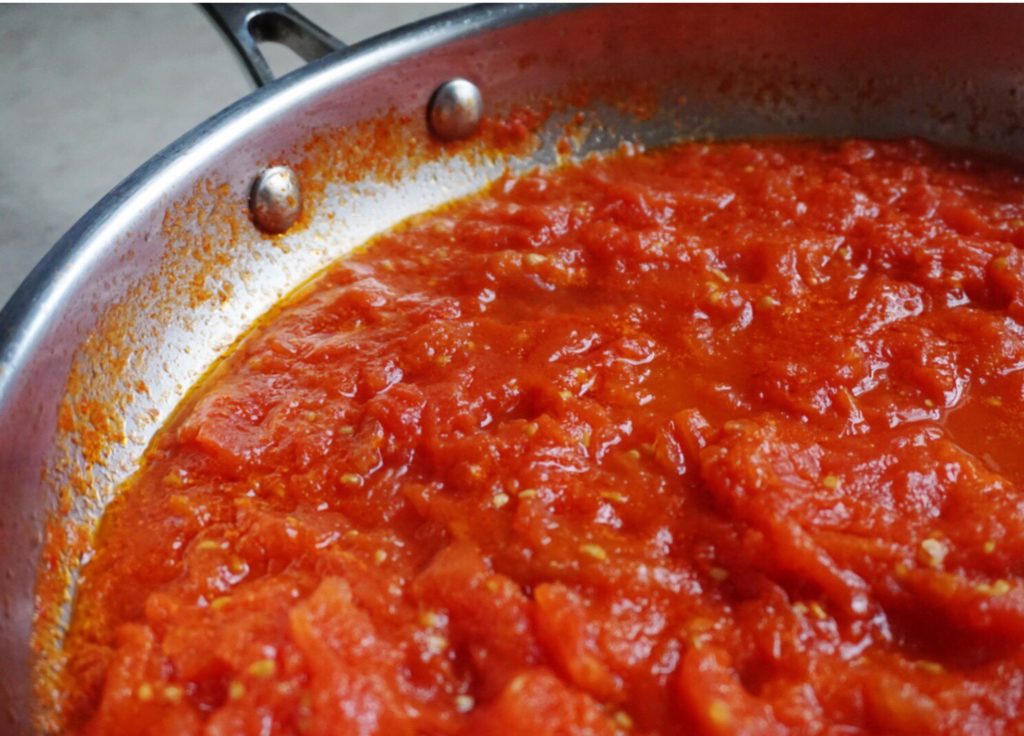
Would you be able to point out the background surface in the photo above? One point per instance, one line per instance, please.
(90, 92)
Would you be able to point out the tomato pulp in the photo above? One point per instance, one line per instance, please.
(723, 438)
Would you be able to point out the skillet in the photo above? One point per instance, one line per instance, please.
(161, 277)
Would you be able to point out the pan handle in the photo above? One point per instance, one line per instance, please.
(246, 25)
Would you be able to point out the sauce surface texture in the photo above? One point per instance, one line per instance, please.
(719, 439)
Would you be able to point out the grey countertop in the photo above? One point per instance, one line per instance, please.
(90, 92)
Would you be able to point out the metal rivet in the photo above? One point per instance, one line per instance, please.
(455, 109)
(276, 199)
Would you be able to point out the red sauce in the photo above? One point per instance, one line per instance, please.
(719, 439)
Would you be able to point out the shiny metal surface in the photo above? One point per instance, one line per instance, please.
(455, 109)
(246, 25)
(276, 199)
(100, 325)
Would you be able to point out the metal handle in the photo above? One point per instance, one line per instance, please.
(246, 25)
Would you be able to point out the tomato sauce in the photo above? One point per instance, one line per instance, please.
(718, 439)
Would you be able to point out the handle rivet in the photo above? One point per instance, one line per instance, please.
(455, 109)
(276, 199)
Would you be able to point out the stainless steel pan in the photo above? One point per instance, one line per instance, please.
(158, 279)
